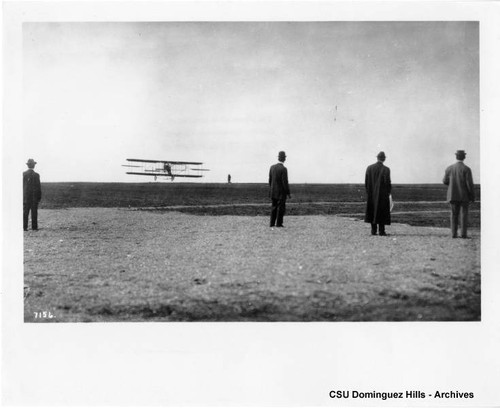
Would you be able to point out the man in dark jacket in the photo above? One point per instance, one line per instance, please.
(378, 188)
(32, 194)
(279, 190)
(458, 178)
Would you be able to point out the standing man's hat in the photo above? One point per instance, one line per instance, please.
(381, 155)
(31, 162)
(460, 153)
(281, 155)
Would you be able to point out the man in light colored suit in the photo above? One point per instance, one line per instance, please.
(279, 190)
(458, 178)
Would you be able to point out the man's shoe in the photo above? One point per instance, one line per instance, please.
(382, 234)
(280, 226)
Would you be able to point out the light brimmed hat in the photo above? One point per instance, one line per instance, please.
(381, 155)
(31, 162)
(281, 155)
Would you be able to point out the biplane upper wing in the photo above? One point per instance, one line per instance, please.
(157, 174)
(163, 161)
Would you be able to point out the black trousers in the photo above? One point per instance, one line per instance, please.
(33, 207)
(278, 210)
(381, 228)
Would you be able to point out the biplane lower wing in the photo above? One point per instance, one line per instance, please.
(164, 174)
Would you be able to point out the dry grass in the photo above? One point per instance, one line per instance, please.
(109, 264)
(77, 195)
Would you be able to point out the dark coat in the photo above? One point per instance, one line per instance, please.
(32, 190)
(278, 182)
(458, 178)
(378, 187)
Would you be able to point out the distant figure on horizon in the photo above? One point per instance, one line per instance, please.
(458, 178)
(229, 178)
(279, 190)
(378, 189)
(168, 169)
(32, 194)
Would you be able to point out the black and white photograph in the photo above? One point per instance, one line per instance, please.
(135, 128)
(285, 193)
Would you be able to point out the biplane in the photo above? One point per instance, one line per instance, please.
(165, 168)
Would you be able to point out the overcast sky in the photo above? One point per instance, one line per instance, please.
(332, 95)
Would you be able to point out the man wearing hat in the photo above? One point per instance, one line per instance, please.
(378, 188)
(458, 178)
(32, 194)
(279, 190)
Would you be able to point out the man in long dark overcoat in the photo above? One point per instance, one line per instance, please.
(458, 178)
(378, 188)
(279, 190)
(32, 194)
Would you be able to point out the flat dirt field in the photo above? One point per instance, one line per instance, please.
(216, 259)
